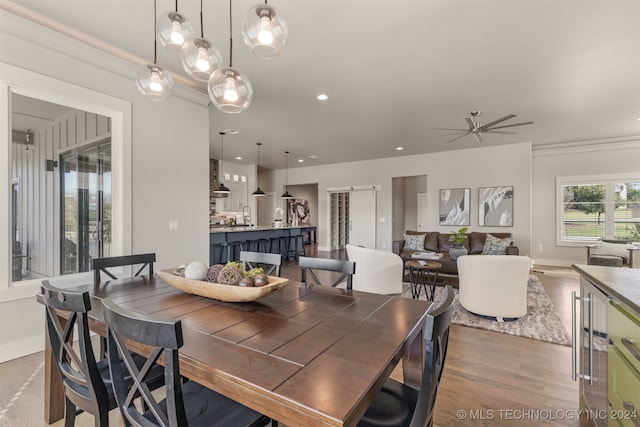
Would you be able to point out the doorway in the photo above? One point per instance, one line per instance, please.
(409, 204)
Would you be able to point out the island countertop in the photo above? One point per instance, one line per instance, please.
(240, 228)
(619, 282)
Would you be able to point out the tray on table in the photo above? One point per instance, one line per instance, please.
(228, 293)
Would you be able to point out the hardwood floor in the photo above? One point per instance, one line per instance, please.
(490, 379)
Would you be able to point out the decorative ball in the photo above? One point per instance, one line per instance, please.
(214, 271)
(196, 270)
(179, 272)
(261, 280)
(230, 275)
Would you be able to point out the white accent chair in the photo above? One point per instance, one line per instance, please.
(379, 272)
(494, 285)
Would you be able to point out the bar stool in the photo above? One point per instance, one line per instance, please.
(281, 244)
(292, 246)
(231, 248)
(262, 245)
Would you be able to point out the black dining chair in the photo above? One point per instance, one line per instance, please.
(400, 405)
(272, 262)
(180, 404)
(346, 268)
(100, 265)
(86, 382)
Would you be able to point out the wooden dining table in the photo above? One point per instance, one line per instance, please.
(303, 355)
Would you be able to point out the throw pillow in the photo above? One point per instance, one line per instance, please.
(414, 242)
(496, 246)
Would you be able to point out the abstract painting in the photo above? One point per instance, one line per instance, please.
(495, 206)
(298, 212)
(454, 206)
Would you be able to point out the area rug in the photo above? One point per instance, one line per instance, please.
(540, 323)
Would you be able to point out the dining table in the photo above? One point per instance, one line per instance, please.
(305, 355)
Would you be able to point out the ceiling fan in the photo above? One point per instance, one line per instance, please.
(476, 129)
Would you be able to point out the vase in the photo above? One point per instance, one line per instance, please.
(456, 251)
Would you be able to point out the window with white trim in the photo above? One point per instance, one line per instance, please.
(598, 207)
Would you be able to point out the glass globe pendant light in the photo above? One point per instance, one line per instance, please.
(229, 89)
(174, 29)
(199, 57)
(286, 194)
(152, 80)
(221, 189)
(265, 31)
(258, 192)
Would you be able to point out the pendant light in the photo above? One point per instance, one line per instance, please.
(199, 57)
(221, 189)
(174, 29)
(229, 89)
(286, 194)
(152, 80)
(265, 31)
(258, 192)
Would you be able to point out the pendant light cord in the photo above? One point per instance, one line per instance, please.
(286, 169)
(155, 31)
(230, 37)
(176, 5)
(201, 24)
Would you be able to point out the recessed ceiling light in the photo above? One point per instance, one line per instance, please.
(300, 160)
(322, 97)
(231, 131)
(238, 158)
(314, 156)
(399, 148)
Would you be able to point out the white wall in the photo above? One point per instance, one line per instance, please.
(547, 164)
(479, 167)
(169, 161)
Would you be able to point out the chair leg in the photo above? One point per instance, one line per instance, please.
(69, 413)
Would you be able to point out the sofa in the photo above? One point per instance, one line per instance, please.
(611, 253)
(439, 242)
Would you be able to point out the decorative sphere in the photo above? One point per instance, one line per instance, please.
(196, 270)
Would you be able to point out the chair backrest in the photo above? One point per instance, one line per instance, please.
(436, 337)
(164, 336)
(379, 272)
(101, 264)
(346, 268)
(81, 377)
(262, 259)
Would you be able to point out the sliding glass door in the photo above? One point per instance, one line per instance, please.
(85, 207)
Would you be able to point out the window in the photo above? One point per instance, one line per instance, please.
(598, 207)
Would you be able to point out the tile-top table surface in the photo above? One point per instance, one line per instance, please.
(302, 355)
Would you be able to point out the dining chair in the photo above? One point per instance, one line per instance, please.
(400, 405)
(308, 265)
(100, 265)
(180, 404)
(256, 259)
(86, 382)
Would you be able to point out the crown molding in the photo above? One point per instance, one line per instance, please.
(45, 32)
(590, 146)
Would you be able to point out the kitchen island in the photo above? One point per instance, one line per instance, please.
(222, 239)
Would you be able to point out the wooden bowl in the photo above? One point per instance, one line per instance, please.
(228, 293)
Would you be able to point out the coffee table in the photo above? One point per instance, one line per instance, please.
(423, 274)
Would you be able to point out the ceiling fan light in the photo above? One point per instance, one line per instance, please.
(230, 90)
(174, 30)
(265, 31)
(154, 82)
(200, 59)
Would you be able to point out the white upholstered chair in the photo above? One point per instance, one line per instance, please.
(494, 285)
(378, 272)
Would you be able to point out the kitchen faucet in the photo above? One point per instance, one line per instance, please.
(246, 215)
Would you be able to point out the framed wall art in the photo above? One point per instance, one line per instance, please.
(495, 206)
(454, 206)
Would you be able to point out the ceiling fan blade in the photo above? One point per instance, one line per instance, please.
(495, 122)
(508, 126)
(472, 125)
(454, 139)
(459, 130)
(478, 137)
(500, 132)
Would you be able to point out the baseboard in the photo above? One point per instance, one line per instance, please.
(21, 348)
(553, 262)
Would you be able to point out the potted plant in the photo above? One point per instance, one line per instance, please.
(458, 248)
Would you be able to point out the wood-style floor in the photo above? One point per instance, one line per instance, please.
(490, 379)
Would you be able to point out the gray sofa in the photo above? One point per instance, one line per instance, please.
(439, 242)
